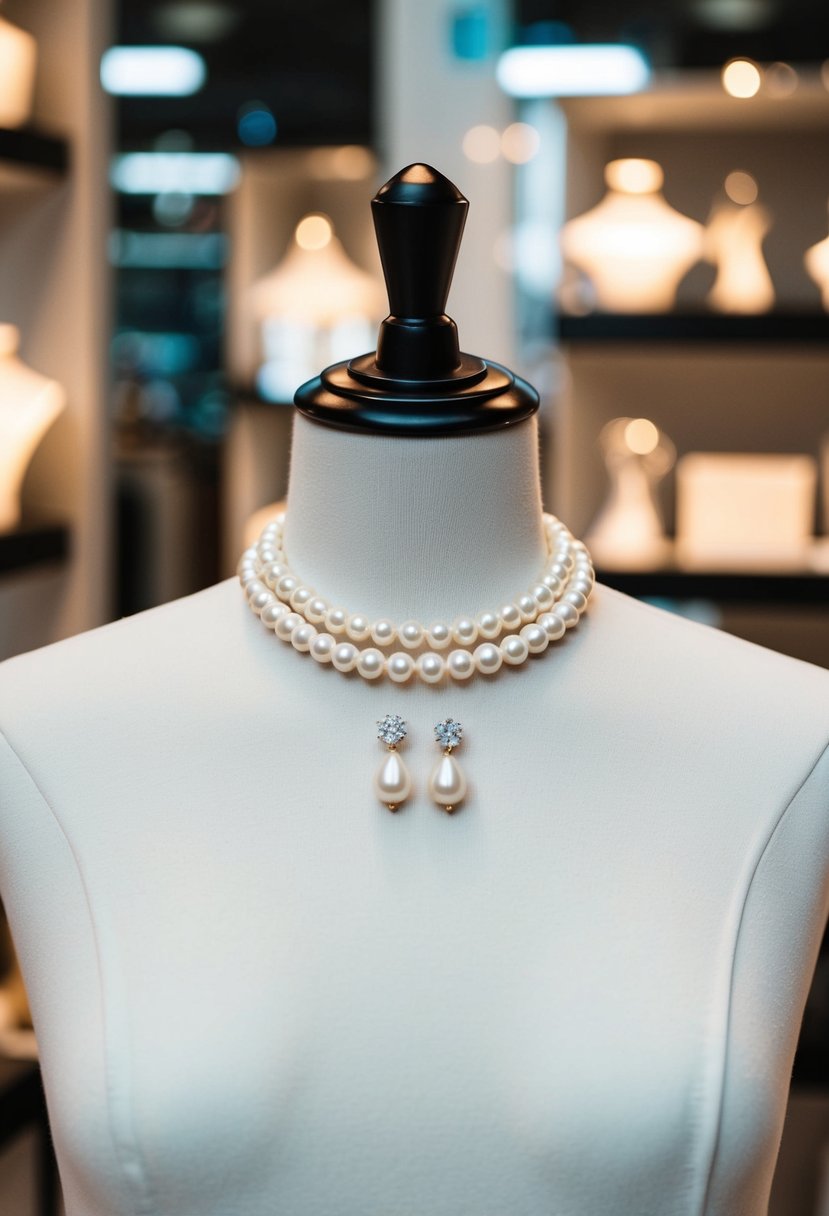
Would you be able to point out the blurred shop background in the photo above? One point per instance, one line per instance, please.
(185, 237)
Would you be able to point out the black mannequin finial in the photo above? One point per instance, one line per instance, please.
(419, 216)
(417, 382)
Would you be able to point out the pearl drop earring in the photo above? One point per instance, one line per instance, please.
(392, 783)
(447, 785)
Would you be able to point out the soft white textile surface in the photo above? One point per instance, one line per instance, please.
(258, 992)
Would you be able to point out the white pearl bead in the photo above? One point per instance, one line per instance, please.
(459, 664)
(287, 624)
(559, 570)
(583, 584)
(316, 609)
(527, 607)
(322, 647)
(552, 625)
(543, 596)
(273, 573)
(514, 649)
(301, 597)
(447, 784)
(430, 667)
(489, 625)
(567, 613)
(464, 631)
(383, 632)
(303, 636)
(335, 620)
(575, 598)
(271, 613)
(247, 557)
(344, 656)
(261, 600)
(510, 616)
(536, 638)
(253, 587)
(286, 586)
(487, 658)
(553, 582)
(371, 663)
(439, 635)
(358, 627)
(392, 782)
(399, 666)
(411, 634)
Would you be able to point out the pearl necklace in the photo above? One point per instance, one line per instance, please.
(530, 623)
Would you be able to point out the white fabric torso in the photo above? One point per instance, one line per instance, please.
(257, 991)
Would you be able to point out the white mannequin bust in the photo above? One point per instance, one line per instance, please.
(29, 404)
(257, 990)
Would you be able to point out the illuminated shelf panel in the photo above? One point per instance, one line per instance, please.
(33, 543)
(783, 328)
(29, 157)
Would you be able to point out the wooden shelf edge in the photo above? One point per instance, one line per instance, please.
(783, 327)
(33, 543)
(31, 148)
(721, 586)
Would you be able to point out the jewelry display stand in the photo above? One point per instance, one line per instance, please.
(254, 989)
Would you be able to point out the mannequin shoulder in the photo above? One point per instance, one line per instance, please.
(674, 651)
(690, 685)
(162, 647)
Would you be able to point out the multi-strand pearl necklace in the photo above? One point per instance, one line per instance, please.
(529, 623)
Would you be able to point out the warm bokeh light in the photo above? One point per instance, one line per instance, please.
(520, 142)
(780, 80)
(741, 78)
(641, 436)
(741, 188)
(18, 57)
(313, 232)
(632, 175)
(348, 163)
(482, 144)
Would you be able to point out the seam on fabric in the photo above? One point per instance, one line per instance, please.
(703, 1209)
(140, 1209)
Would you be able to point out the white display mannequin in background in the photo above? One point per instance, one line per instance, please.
(258, 991)
(29, 404)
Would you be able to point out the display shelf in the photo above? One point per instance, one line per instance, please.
(722, 586)
(28, 156)
(696, 101)
(33, 543)
(783, 328)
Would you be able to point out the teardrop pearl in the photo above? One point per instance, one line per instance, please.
(392, 783)
(447, 785)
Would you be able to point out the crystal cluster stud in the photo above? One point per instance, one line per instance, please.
(448, 733)
(391, 729)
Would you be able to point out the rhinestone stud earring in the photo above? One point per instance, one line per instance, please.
(392, 783)
(447, 785)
